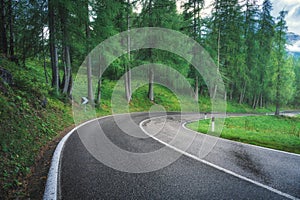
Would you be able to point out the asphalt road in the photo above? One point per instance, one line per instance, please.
(83, 176)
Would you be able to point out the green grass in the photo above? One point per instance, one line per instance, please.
(167, 99)
(26, 126)
(281, 133)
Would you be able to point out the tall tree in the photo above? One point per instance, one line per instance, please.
(157, 13)
(284, 73)
(148, 6)
(53, 46)
(11, 29)
(265, 39)
(191, 14)
(127, 80)
(109, 19)
(224, 42)
(124, 23)
(64, 20)
(88, 49)
(250, 29)
(3, 33)
(297, 73)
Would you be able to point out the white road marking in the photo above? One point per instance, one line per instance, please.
(251, 145)
(216, 166)
(51, 189)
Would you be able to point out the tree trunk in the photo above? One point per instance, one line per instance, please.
(261, 104)
(127, 65)
(277, 112)
(98, 99)
(129, 83)
(151, 80)
(231, 92)
(53, 49)
(89, 77)
(242, 95)
(3, 39)
(68, 70)
(89, 61)
(257, 101)
(11, 31)
(151, 72)
(129, 54)
(197, 89)
(218, 64)
(215, 91)
(44, 58)
(254, 102)
(66, 50)
(70, 89)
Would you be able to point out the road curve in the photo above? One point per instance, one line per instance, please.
(272, 169)
(83, 176)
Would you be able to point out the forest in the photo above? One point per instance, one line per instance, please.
(43, 44)
(247, 43)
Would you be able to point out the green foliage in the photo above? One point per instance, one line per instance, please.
(243, 39)
(283, 74)
(296, 100)
(282, 133)
(26, 126)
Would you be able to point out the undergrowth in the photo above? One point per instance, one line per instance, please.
(27, 125)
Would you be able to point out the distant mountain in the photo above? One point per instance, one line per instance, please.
(292, 38)
(293, 44)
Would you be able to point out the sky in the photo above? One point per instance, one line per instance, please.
(292, 6)
(292, 18)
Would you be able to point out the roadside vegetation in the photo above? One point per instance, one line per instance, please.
(276, 132)
(43, 44)
(32, 115)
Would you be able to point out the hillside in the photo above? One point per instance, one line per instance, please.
(32, 116)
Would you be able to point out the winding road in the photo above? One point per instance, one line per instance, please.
(158, 158)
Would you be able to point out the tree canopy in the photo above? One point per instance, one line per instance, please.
(247, 43)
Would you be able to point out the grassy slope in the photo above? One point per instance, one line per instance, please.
(26, 126)
(282, 133)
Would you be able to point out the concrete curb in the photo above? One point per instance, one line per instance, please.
(51, 189)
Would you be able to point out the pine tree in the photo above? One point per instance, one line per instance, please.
(3, 33)
(265, 38)
(250, 34)
(64, 14)
(297, 83)
(157, 13)
(53, 45)
(191, 15)
(224, 43)
(283, 69)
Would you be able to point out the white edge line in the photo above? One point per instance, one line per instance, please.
(51, 189)
(231, 141)
(216, 166)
